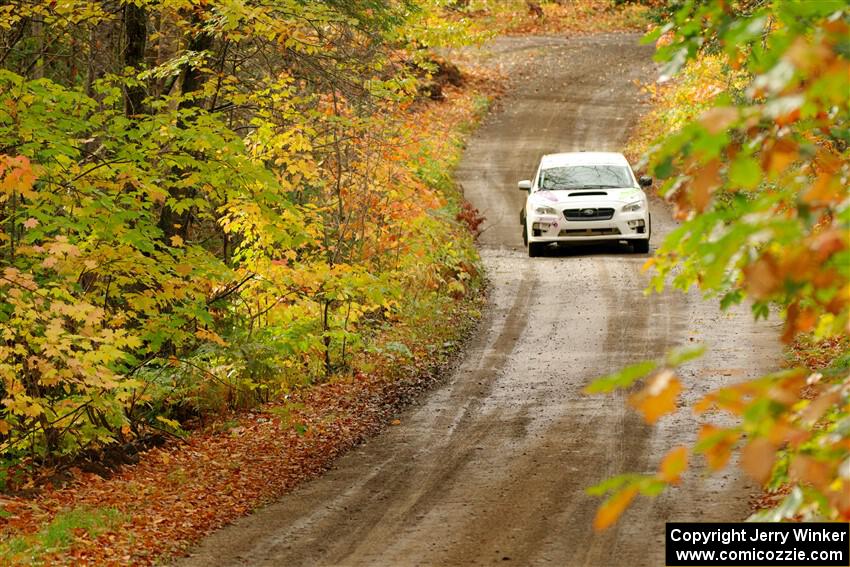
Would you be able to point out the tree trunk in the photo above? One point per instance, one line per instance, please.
(135, 38)
(172, 223)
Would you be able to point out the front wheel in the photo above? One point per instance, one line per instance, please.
(640, 246)
(535, 249)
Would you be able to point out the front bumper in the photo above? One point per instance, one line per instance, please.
(556, 228)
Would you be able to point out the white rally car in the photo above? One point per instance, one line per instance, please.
(585, 197)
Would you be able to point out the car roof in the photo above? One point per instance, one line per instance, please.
(583, 158)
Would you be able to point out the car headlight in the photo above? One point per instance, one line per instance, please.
(545, 211)
(632, 207)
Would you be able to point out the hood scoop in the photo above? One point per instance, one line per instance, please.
(588, 194)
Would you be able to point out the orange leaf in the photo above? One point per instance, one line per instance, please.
(800, 265)
(797, 321)
(674, 464)
(781, 432)
(757, 459)
(819, 406)
(722, 440)
(730, 398)
(658, 397)
(762, 277)
(16, 175)
(825, 189)
(780, 156)
(718, 119)
(828, 243)
(807, 470)
(613, 508)
(703, 183)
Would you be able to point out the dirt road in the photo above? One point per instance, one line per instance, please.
(492, 467)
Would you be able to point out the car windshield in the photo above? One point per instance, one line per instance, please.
(585, 177)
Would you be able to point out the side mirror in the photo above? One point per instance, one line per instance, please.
(524, 185)
(645, 181)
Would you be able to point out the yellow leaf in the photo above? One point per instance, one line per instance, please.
(4, 427)
(176, 240)
(169, 422)
(33, 410)
(673, 465)
(183, 269)
(211, 336)
(613, 508)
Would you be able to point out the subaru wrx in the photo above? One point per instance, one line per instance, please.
(585, 197)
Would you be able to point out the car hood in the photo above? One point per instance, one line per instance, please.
(581, 197)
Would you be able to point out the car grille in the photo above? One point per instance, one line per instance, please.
(588, 214)
(590, 232)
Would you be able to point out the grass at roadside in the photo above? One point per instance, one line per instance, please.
(61, 532)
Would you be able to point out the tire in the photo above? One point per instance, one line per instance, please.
(640, 246)
(535, 249)
(524, 234)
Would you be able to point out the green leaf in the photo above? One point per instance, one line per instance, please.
(681, 355)
(622, 379)
(612, 484)
(745, 172)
